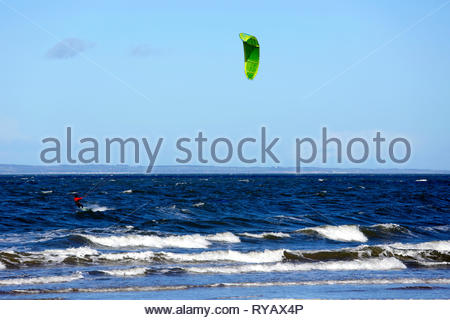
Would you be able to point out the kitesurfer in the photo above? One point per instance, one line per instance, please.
(77, 200)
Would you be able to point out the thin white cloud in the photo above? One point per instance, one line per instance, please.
(144, 51)
(68, 48)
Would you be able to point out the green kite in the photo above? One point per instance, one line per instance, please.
(251, 54)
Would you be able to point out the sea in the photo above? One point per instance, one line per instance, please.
(225, 237)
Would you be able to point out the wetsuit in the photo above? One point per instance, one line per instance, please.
(77, 201)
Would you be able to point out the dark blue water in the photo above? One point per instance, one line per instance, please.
(218, 237)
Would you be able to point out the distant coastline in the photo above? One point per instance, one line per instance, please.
(7, 169)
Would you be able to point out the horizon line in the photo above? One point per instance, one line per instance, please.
(8, 169)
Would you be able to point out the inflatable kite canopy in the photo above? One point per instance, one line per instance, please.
(251, 54)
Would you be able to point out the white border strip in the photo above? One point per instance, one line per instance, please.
(247, 309)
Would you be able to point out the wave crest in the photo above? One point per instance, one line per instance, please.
(366, 264)
(40, 280)
(194, 241)
(125, 272)
(266, 235)
(345, 233)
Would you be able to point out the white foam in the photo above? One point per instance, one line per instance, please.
(2, 266)
(345, 233)
(265, 256)
(432, 245)
(185, 241)
(266, 234)
(244, 180)
(60, 254)
(143, 256)
(434, 264)
(421, 180)
(387, 226)
(153, 241)
(127, 191)
(367, 264)
(224, 237)
(125, 272)
(40, 280)
(56, 255)
(97, 208)
(341, 282)
(198, 204)
(423, 253)
(46, 191)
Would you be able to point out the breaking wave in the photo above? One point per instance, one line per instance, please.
(205, 256)
(431, 245)
(230, 255)
(125, 272)
(367, 264)
(12, 258)
(153, 241)
(224, 237)
(356, 233)
(346, 233)
(266, 235)
(40, 280)
(388, 227)
(426, 254)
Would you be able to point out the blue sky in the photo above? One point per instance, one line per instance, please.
(152, 69)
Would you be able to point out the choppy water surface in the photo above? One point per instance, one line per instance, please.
(218, 237)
